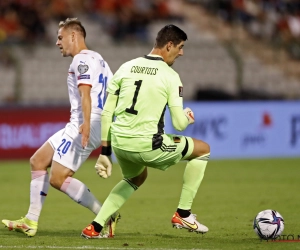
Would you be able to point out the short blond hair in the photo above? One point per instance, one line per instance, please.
(73, 23)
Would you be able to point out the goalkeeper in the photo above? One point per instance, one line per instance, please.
(137, 96)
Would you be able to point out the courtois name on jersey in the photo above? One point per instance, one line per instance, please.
(143, 70)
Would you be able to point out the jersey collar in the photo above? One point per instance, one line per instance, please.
(154, 57)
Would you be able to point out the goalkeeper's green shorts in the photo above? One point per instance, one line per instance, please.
(173, 149)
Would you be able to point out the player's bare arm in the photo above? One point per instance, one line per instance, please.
(84, 128)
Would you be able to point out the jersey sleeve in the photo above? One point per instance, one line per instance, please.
(107, 117)
(179, 120)
(175, 91)
(115, 82)
(83, 69)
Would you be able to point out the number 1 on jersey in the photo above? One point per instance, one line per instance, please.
(131, 110)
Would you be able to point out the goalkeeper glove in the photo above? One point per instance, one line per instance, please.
(189, 115)
(103, 165)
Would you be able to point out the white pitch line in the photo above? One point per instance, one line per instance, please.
(90, 247)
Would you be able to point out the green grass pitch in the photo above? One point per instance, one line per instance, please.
(231, 194)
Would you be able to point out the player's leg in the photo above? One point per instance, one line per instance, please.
(197, 154)
(61, 178)
(174, 149)
(68, 158)
(119, 195)
(39, 186)
(134, 176)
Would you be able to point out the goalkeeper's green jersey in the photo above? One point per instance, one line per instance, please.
(145, 86)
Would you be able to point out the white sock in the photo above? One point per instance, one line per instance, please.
(39, 186)
(79, 193)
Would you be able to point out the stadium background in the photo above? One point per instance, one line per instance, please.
(241, 76)
(240, 54)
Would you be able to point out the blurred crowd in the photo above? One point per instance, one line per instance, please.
(274, 21)
(25, 21)
(129, 19)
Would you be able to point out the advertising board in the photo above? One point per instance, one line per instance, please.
(232, 129)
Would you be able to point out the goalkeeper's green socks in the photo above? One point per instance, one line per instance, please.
(192, 178)
(117, 197)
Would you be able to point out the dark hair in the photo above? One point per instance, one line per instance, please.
(74, 24)
(170, 33)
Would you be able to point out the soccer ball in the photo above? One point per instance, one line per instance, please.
(268, 224)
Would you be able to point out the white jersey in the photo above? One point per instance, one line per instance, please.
(89, 68)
